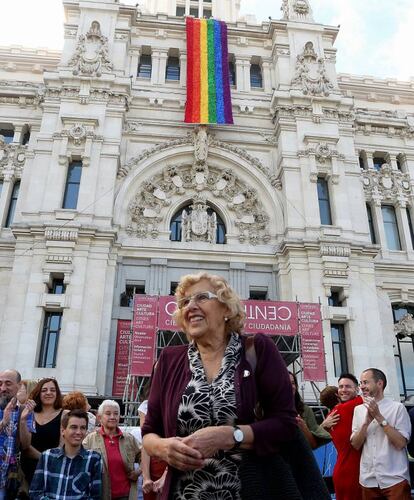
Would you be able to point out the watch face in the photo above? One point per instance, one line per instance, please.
(238, 435)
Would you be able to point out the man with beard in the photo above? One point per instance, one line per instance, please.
(382, 428)
(10, 415)
(339, 424)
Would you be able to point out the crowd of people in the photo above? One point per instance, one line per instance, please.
(224, 420)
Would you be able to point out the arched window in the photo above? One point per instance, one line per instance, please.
(176, 222)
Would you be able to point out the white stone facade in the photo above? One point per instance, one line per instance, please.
(141, 164)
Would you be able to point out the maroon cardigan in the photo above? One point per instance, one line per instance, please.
(274, 391)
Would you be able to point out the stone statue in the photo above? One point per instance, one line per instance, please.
(197, 224)
(201, 145)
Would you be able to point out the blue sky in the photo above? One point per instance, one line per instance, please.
(376, 37)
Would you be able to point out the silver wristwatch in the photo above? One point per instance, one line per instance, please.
(384, 423)
(238, 437)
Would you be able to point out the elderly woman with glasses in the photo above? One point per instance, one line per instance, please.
(119, 450)
(201, 406)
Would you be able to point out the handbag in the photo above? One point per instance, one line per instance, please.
(290, 474)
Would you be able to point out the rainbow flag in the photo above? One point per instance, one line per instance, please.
(208, 84)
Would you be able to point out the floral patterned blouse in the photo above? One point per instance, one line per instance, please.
(203, 405)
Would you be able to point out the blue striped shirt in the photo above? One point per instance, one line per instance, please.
(63, 478)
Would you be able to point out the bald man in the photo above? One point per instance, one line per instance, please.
(10, 416)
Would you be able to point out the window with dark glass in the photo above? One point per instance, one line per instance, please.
(8, 134)
(206, 13)
(361, 162)
(371, 225)
(334, 299)
(404, 352)
(50, 339)
(399, 164)
(410, 225)
(391, 227)
(173, 287)
(256, 80)
(145, 66)
(172, 71)
(194, 11)
(127, 297)
(57, 287)
(232, 73)
(257, 294)
(339, 349)
(378, 162)
(70, 197)
(12, 204)
(26, 137)
(176, 221)
(180, 11)
(324, 202)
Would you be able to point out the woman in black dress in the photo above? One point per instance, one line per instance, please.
(47, 414)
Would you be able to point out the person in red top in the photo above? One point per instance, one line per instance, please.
(339, 424)
(119, 452)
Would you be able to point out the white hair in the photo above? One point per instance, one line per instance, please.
(108, 402)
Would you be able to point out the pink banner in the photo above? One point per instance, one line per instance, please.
(313, 352)
(272, 318)
(166, 308)
(123, 340)
(144, 335)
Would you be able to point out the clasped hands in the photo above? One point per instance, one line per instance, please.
(373, 412)
(190, 453)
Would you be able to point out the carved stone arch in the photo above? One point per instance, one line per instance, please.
(248, 203)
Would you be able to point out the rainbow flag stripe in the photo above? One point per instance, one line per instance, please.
(208, 84)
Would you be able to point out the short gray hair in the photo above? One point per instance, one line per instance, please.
(108, 402)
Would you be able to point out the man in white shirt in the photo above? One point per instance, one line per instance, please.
(382, 427)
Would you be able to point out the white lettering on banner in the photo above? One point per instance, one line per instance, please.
(268, 312)
(260, 327)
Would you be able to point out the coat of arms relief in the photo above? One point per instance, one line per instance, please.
(91, 53)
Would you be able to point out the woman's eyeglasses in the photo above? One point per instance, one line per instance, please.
(197, 298)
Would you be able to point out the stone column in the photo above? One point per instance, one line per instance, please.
(393, 161)
(382, 239)
(17, 138)
(370, 160)
(267, 81)
(239, 75)
(183, 69)
(134, 55)
(155, 61)
(237, 278)
(5, 196)
(403, 226)
(163, 56)
(158, 278)
(246, 75)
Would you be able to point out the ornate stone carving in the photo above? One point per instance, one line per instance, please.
(197, 224)
(335, 251)
(201, 144)
(148, 208)
(77, 133)
(322, 153)
(12, 159)
(201, 140)
(59, 259)
(405, 327)
(296, 9)
(310, 73)
(387, 185)
(56, 234)
(91, 53)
